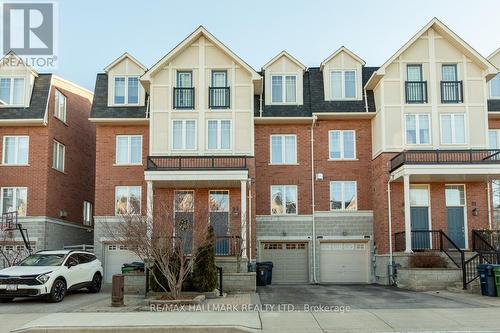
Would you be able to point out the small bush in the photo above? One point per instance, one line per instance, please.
(427, 261)
(205, 271)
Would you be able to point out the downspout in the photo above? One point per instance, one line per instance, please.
(389, 217)
(366, 99)
(488, 191)
(315, 280)
(249, 220)
(260, 105)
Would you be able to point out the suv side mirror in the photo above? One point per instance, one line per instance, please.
(71, 263)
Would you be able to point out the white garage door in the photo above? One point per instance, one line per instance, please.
(345, 262)
(289, 259)
(115, 257)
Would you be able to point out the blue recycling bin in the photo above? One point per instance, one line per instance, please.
(269, 265)
(262, 272)
(487, 279)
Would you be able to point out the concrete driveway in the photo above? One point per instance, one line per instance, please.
(368, 297)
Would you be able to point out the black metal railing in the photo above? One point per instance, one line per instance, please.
(416, 92)
(183, 98)
(219, 97)
(486, 240)
(466, 156)
(165, 163)
(451, 92)
(227, 246)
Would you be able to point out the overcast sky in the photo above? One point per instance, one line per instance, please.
(92, 33)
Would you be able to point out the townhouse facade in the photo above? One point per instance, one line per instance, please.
(326, 171)
(48, 154)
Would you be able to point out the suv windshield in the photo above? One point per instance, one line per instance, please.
(43, 260)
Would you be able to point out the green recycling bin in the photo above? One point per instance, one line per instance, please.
(496, 271)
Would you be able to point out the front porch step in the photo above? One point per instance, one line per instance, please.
(230, 264)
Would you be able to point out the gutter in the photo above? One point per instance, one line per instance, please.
(315, 280)
(390, 267)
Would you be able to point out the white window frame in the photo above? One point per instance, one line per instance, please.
(490, 88)
(56, 158)
(417, 129)
(283, 152)
(14, 197)
(342, 182)
(16, 153)
(219, 134)
(342, 84)
(125, 94)
(453, 136)
(497, 131)
(57, 111)
(87, 213)
(129, 149)
(283, 88)
(11, 97)
(283, 192)
(341, 145)
(184, 135)
(128, 197)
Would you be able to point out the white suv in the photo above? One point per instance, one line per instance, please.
(51, 274)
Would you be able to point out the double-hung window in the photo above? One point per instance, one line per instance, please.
(184, 134)
(58, 153)
(219, 91)
(453, 129)
(417, 129)
(60, 106)
(495, 87)
(342, 145)
(343, 195)
(127, 200)
(12, 91)
(284, 89)
(284, 149)
(283, 200)
(14, 199)
(343, 84)
(87, 213)
(126, 90)
(129, 149)
(219, 134)
(15, 150)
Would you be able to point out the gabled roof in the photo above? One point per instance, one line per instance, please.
(14, 55)
(447, 33)
(284, 54)
(342, 49)
(123, 56)
(493, 54)
(201, 31)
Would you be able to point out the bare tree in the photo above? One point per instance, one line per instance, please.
(11, 251)
(168, 242)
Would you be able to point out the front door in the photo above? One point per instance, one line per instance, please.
(419, 217)
(184, 219)
(455, 214)
(219, 220)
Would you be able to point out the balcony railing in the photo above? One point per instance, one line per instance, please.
(218, 97)
(467, 156)
(168, 163)
(183, 98)
(416, 92)
(227, 246)
(451, 92)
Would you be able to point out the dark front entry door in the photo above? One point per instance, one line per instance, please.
(419, 222)
(219, 222)
(456, 225)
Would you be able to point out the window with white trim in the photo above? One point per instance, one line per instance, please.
(283, 200)
(495, 87)
(417, 128)
(15, 150)
(343, 84)
(58, 153)
(128, 149)
(494, 138)
(342, 144)
(60, 106)
(14, 199)
(343, 195)
(12, 91)
(127, 200)
(453, 129)
(284, 88)
(126, 90)
(283, 149)
(184, 134)
(219, 134)
(87, 213)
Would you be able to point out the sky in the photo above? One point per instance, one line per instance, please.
(93, 33)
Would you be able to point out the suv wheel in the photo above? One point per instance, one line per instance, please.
(96, 283)
(58, 291)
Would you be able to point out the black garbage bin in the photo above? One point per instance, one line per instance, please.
(270, 266)
(262, 272)
(487, 278)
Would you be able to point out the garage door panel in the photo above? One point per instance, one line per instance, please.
(115, 257)
(344, 262)
(289, 260)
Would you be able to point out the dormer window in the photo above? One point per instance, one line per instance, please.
(284, 89)
(343, 84)
(12, 91)
(126, 90)
(495, 87)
